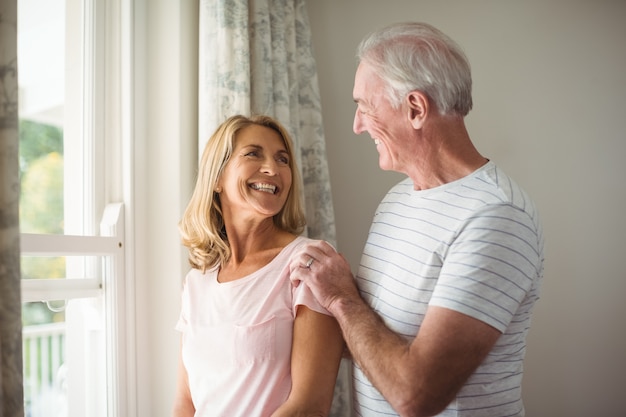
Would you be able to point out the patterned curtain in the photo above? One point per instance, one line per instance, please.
(256, 58)
(11, 392)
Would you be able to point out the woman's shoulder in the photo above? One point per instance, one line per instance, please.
(301, 240)
(297, 243)
(195, 275)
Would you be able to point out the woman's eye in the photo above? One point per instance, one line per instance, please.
(252, 153)
(283, 160)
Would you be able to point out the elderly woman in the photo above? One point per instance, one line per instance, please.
(252, 343)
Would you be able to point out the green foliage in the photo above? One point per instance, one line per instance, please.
(41, 173)
(43, 267)
(39, 313)
(41, 205)
(41, 199)
(37, 140)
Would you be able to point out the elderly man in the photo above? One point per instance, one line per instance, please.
(437, 317)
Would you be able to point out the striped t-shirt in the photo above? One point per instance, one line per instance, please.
(475, 246)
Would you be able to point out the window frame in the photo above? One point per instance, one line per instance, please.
(105, 98)
(109, 284)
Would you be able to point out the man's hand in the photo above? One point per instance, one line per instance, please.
(326, 272)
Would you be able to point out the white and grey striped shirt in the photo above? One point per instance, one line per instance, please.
(475, 246)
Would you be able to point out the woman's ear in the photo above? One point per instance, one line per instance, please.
(418, 108)
(217, 186)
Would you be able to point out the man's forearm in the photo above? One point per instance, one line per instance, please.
(379, 352)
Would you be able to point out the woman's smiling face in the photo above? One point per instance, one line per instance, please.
(257, 178)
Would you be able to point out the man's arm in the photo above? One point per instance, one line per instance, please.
(417, 377)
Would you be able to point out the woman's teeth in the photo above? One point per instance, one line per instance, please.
(267, 188)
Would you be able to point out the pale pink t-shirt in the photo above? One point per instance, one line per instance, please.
(237, 337)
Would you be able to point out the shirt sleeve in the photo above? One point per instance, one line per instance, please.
(491, 266)
(302, 295)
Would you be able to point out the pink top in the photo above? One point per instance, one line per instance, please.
(237, 337)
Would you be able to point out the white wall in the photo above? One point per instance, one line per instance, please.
(165, 120)
(549, 108)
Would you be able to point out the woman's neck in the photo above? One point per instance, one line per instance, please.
(252, 248)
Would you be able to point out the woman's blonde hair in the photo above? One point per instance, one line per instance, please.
(202, 226)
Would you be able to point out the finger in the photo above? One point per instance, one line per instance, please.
(323, 247)
(317, 253)
(306, 260)
(327, 247)
(294, 267)
(295, 276)
(298, 260)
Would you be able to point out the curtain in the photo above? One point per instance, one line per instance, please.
(256, 57)
(11, 391)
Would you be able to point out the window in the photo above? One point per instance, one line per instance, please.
(76, 344)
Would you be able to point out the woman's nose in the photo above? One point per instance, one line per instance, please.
(269, 166)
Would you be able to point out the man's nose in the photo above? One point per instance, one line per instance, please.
(357, 125)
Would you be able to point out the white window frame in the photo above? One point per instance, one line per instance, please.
(105, 98)
(109, 283)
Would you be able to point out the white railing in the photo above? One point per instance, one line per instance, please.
(43, 349)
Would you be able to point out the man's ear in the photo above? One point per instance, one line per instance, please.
(418, 108)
